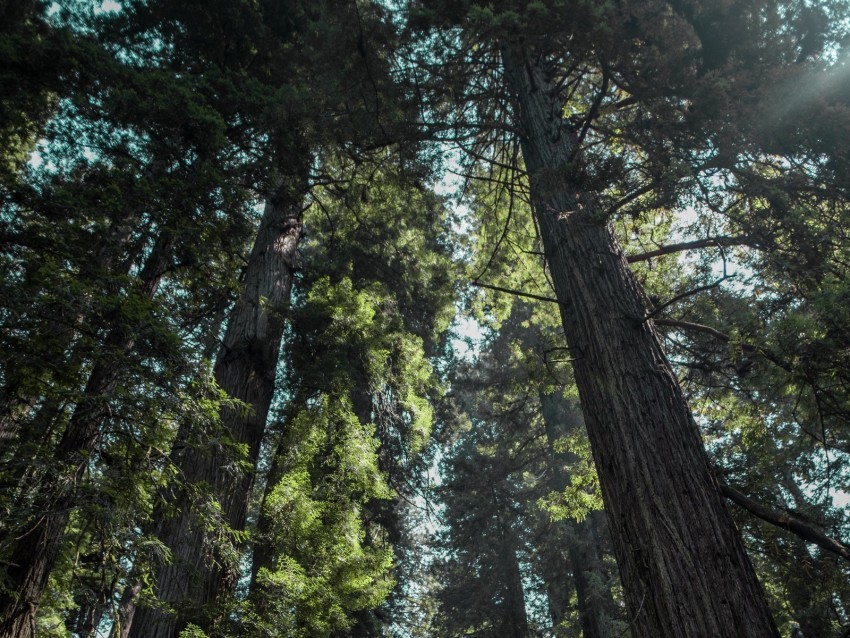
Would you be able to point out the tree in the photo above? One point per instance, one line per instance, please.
(246, 366)
(201, 437)
(137, 208)
(646, 445)
(375, 299)
(516, 471)
(133, 210)
(662, 499)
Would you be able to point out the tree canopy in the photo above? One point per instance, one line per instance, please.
(424, 318)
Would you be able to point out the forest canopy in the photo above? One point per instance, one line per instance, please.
(424, 319)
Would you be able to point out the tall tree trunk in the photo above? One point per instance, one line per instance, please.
(93, 603)
(555, 571)
(35, 551)
(683, 565)
(595, 606)
(245, 370)
(124, 613)
(515, 617)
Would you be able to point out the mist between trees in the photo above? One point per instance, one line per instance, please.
(243, 241)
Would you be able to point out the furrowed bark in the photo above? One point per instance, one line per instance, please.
(126, 610)
(245, 369)
(683, 566)
(124, 614)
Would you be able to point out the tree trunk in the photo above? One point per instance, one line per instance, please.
(35, 551)
(245, 370)
(595, 606)
(126, 610)
(555, 572)
(515, 619)
(92, 605)
(683, 565)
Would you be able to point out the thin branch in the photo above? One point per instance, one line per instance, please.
(787, 522)
(687, 293)
(698, 327)
(505, 230)
(630, 197)
(518, 293)
(688, 245)
(746, 347)
(628, 101)
(594, 110)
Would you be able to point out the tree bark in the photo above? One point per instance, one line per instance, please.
(245, 370)
(36, 550)
(684, 568)
(126, 610)
(555, 571)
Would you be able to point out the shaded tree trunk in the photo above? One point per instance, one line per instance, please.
(595, 605)
(555, 572)
(93, 603)
(126, 610)
(35, 551)
(515, 619)
(245, 370)
(683, 565)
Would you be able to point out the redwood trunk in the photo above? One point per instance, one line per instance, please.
(516, 619)
(245, 370)
(61, 331)
(684, 568)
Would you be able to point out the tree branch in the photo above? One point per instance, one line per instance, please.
(698, 327)
(518, 293)
(687, 293)
(688, 245)
(787, 522)
(745, 347)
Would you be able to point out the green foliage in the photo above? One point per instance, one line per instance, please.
(374, 306)
(517, 477)
(156, 130)
(324, 567)
(583, 494)
(192, 631)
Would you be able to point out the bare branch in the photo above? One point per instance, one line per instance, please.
(687, 293)
(518, 293)
(787, 522)
(698, 327)
(688, 245)
(745, 347)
